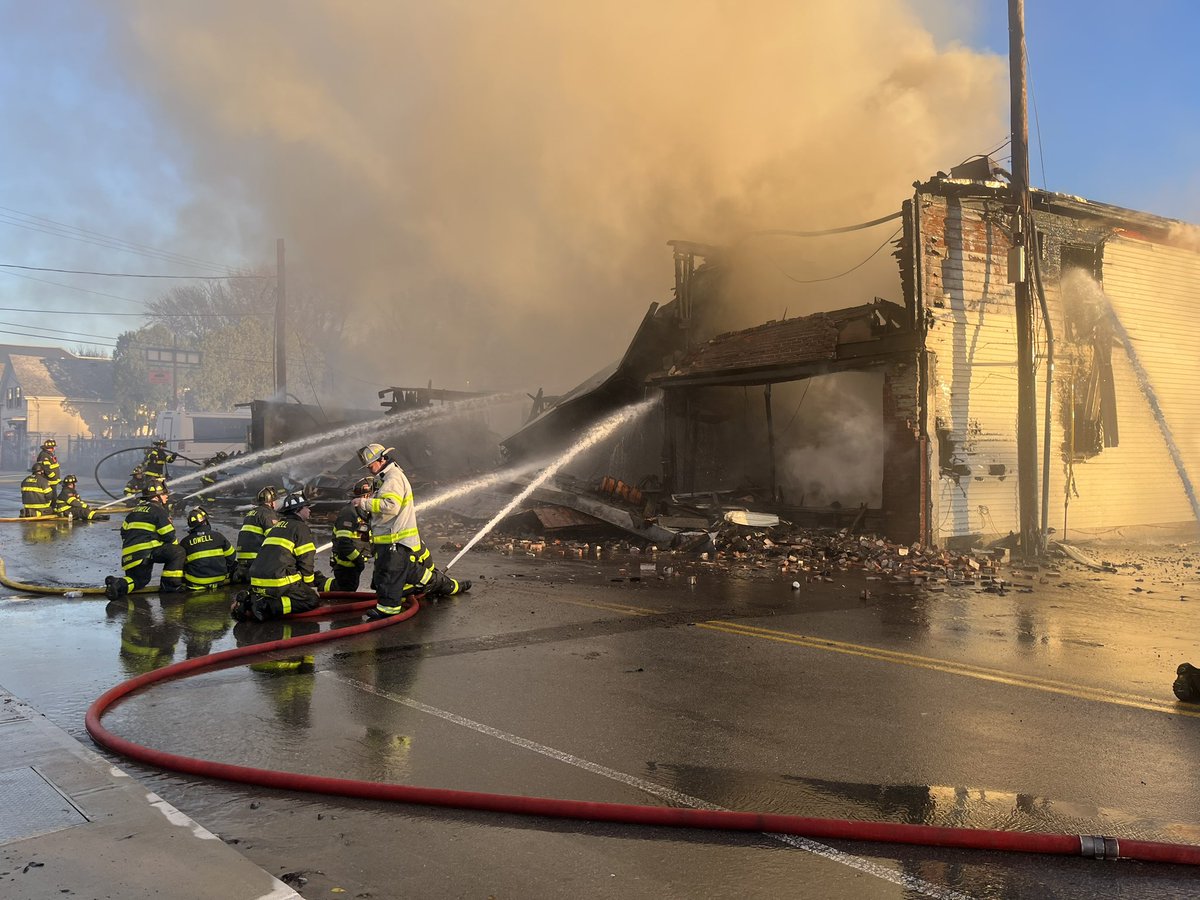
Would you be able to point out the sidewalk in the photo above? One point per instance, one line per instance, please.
(73, 824)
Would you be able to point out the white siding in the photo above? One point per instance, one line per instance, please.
(973, 375)
(1154, 290)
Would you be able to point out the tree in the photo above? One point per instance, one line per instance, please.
(138, 401)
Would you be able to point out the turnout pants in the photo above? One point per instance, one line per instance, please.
(346, 578)
(272, 603)
(401, 572)
(139, 569)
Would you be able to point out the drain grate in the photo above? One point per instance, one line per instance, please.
(30, 805)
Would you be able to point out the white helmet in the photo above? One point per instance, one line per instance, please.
(373, 453)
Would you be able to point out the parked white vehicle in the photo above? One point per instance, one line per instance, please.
(203, 434)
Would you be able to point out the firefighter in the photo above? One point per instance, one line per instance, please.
(403, 566)
(283, 577)
(48, 458)
(137, 481)
(148, 537)
(37, 497)
(208, 555)
(72, 506)
(254, 528)
(351, 542)
(208, 479)
(157, 459)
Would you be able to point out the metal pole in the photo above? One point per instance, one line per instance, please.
(280, 323)
(1027, 474)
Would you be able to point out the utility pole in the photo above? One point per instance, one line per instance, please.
(280, 323)
(1019, 274)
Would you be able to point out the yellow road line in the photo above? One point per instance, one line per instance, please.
(998, 676)
(1032, 682)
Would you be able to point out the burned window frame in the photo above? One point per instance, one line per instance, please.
(1089, 402)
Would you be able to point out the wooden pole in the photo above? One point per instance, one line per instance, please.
(1027, 473)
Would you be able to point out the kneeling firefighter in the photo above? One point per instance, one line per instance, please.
(148, 537)
(351, 542)
(37, 496)
(283, 577)
(208, 560)
(255, 526)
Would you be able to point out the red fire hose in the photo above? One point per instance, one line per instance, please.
(1097, 847)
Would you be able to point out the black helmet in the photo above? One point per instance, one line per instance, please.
(160, 442)
(70, 479)
(40, 469)
(137, 470)
(197, 518)
(49, 444)
(293, 502)
(154, 488)
(362, 487)
(268, 494)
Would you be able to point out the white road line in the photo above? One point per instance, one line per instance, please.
(910, 882)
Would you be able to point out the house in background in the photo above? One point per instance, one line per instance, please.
(47, 392)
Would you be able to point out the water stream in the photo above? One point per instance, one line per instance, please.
(598, 433)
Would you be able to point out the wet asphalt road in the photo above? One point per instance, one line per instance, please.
(1043, 711)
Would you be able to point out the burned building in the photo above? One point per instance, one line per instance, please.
(934, 448)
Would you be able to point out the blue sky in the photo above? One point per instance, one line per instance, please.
(1115, 86)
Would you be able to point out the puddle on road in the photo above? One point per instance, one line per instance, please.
(937, 805)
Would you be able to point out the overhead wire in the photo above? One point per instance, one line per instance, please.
(853, 268)
(38, 223)
(177, 277)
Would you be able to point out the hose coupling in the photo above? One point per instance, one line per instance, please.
(1097, 847)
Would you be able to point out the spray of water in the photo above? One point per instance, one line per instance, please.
(598, 433)
(333, 443)
(478, 484)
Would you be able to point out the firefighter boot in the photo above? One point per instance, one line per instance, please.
(115, 587)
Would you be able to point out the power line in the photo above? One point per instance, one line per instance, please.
(92, 312)
(130, 274)
(72, 287)
(87, 235)
(840, 274)
(58, 331)
(782, 232)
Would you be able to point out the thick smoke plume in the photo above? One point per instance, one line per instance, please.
(490, 186)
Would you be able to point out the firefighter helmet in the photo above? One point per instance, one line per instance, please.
(268, 494)
(137, 470)
(70, 479)
(362, 487)
(160, 443)
(49, 444)
(374, 453)
(40, 469)
(197, 518)
(293, 502)
(154, 488)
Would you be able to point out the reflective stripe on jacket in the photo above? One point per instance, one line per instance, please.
(147, 526)
(208, 556)
(393, 514)
(37, 494)
(50, 461)
(255, 526)
(351, 538)
(287, 555)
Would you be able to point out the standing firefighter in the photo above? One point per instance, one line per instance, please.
(351, 541)
(208, 479)
(283, 576)
(48, 458)
(148, 537)
(70, 504)
(37, 497)
(402, 564)
(208, 555)
(157, 459)
(254, 528)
